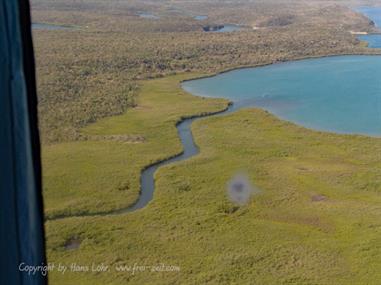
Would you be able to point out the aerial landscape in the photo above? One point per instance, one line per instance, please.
(210, 142)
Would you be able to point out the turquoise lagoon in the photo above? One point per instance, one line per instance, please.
(339, 94)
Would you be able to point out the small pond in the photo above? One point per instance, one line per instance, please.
(49, 27)
(200, 17)
(147, 15)
(225, 28)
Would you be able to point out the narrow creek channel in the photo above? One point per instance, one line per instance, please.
(190, 149)
(147, 178)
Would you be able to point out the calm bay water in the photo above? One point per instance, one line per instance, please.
(340, 94)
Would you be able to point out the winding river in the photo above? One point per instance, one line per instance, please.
(190, 149)
(340, 94)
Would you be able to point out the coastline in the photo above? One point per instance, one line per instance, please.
(161, 162)
(280, 118)
(377, 52)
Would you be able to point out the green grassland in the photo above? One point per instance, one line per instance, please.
(316, 220)
(101, 172)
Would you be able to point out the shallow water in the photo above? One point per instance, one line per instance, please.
(340, 94)
(229, 28)
(147, 15)
(374, 41)
(200, 17)
(374, 14)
